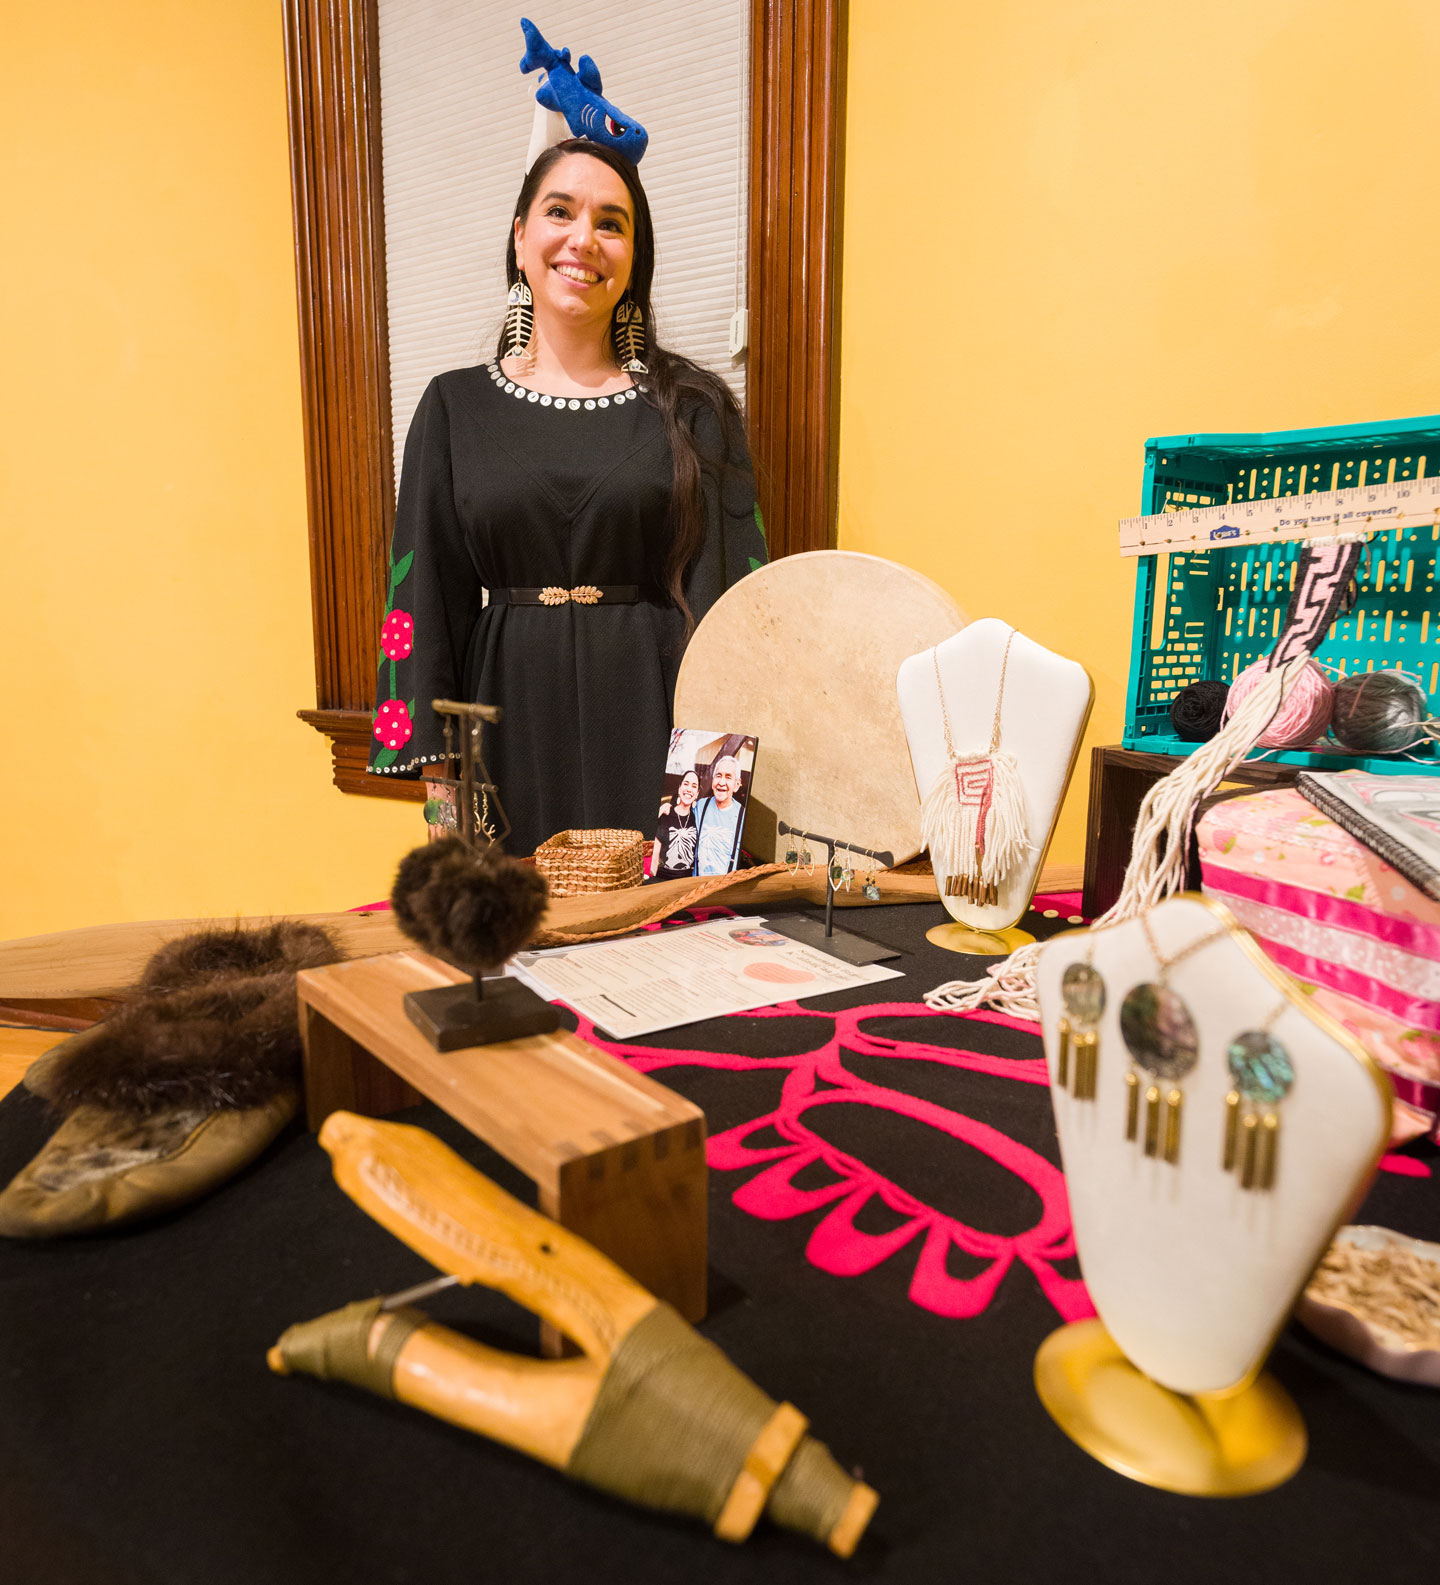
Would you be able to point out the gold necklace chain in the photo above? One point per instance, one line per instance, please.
(1166, 964)
(999, 698)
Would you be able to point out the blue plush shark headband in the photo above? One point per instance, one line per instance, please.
(574, 94)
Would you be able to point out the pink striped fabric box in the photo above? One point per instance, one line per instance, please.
(1354, 932)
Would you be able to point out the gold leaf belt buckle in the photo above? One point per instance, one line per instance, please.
(582, 594)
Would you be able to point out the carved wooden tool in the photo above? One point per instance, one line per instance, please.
(651, 1412)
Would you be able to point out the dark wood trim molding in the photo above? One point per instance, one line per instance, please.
(332, 71)
(332, 60)
(795, 133)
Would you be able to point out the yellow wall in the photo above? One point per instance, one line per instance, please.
(1068, 226)
(156, 627)
(1073, 224)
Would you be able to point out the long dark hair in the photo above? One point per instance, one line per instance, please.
(672, 379)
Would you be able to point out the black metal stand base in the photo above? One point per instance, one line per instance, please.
(842, 944)
(479, 1013)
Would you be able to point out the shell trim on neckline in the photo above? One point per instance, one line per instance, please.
(523, 393)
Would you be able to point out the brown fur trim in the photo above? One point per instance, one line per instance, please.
(207, 954)
(215, 1025)
(474, 912)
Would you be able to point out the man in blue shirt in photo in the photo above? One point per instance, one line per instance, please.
(719, 817)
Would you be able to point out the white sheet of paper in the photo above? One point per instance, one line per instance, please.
(642, 984)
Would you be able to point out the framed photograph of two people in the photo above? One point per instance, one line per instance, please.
(702, 803)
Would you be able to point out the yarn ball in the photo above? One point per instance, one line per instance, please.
(1378, 712)
(1197, 711)
(1304, 713)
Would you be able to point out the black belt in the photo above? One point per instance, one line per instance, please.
(581, 594)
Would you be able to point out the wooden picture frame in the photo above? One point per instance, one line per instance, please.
(333, 78)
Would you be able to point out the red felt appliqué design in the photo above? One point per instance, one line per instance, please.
(392, 724)
(820, 1078)
(397, 637)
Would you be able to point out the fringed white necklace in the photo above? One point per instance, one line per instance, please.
(973, 817)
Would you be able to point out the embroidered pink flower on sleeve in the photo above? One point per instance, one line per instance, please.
(392, 724)
(397, 637)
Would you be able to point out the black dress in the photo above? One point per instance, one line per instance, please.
(504, 489)
(676, 834)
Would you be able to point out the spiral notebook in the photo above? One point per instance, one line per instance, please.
(1397, 817)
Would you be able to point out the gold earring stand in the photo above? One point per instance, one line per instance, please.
(955, 937)
(1228, 1444)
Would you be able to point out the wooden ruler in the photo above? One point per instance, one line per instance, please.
(1372, 509)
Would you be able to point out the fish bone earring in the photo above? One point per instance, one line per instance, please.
(1261, 1076)
(627, 330)
(519, 320)
(1082, 991)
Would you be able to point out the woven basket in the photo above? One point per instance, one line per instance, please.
(575, 862)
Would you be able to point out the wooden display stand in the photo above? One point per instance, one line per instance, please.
(1119, 780)
(614, 1156)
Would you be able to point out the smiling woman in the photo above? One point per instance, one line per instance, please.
(566, 514)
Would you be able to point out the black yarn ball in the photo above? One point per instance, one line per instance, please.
(1197, 710)
(1378, 712)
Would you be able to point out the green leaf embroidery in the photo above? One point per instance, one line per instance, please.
(410, 706)
(760, 524)
(386, 756)
(394, 686)
(755, 564)
(400, 570)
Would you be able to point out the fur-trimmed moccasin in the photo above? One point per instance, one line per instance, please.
(176, 1091)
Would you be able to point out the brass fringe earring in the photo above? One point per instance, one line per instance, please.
(1083, 993)
(1261, 1075)
(1162, 1040)
(627, 331)
(519, 318)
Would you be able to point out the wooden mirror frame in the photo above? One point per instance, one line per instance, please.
(333, 77)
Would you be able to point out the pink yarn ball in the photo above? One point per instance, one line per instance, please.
(1303, 714)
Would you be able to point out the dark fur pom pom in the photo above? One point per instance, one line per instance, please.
(474, 912)
(214, 1025)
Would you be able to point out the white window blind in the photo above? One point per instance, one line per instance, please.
(455, 125)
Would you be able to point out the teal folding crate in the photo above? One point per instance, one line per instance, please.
(1210, 613)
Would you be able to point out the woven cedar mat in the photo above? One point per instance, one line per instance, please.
(143, 1441)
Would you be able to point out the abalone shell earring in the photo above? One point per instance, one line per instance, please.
(1261, 1076)
(1162, 1040)
(1082, 991)
(1160, 1036)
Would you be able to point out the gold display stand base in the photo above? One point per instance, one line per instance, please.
(1227, 1444)
(956, 937)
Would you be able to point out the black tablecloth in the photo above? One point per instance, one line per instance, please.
(144, 1442)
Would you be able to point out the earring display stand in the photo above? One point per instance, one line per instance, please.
(1219, 1444)
(957, 937)
(1193, 1260)
(847, 945)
